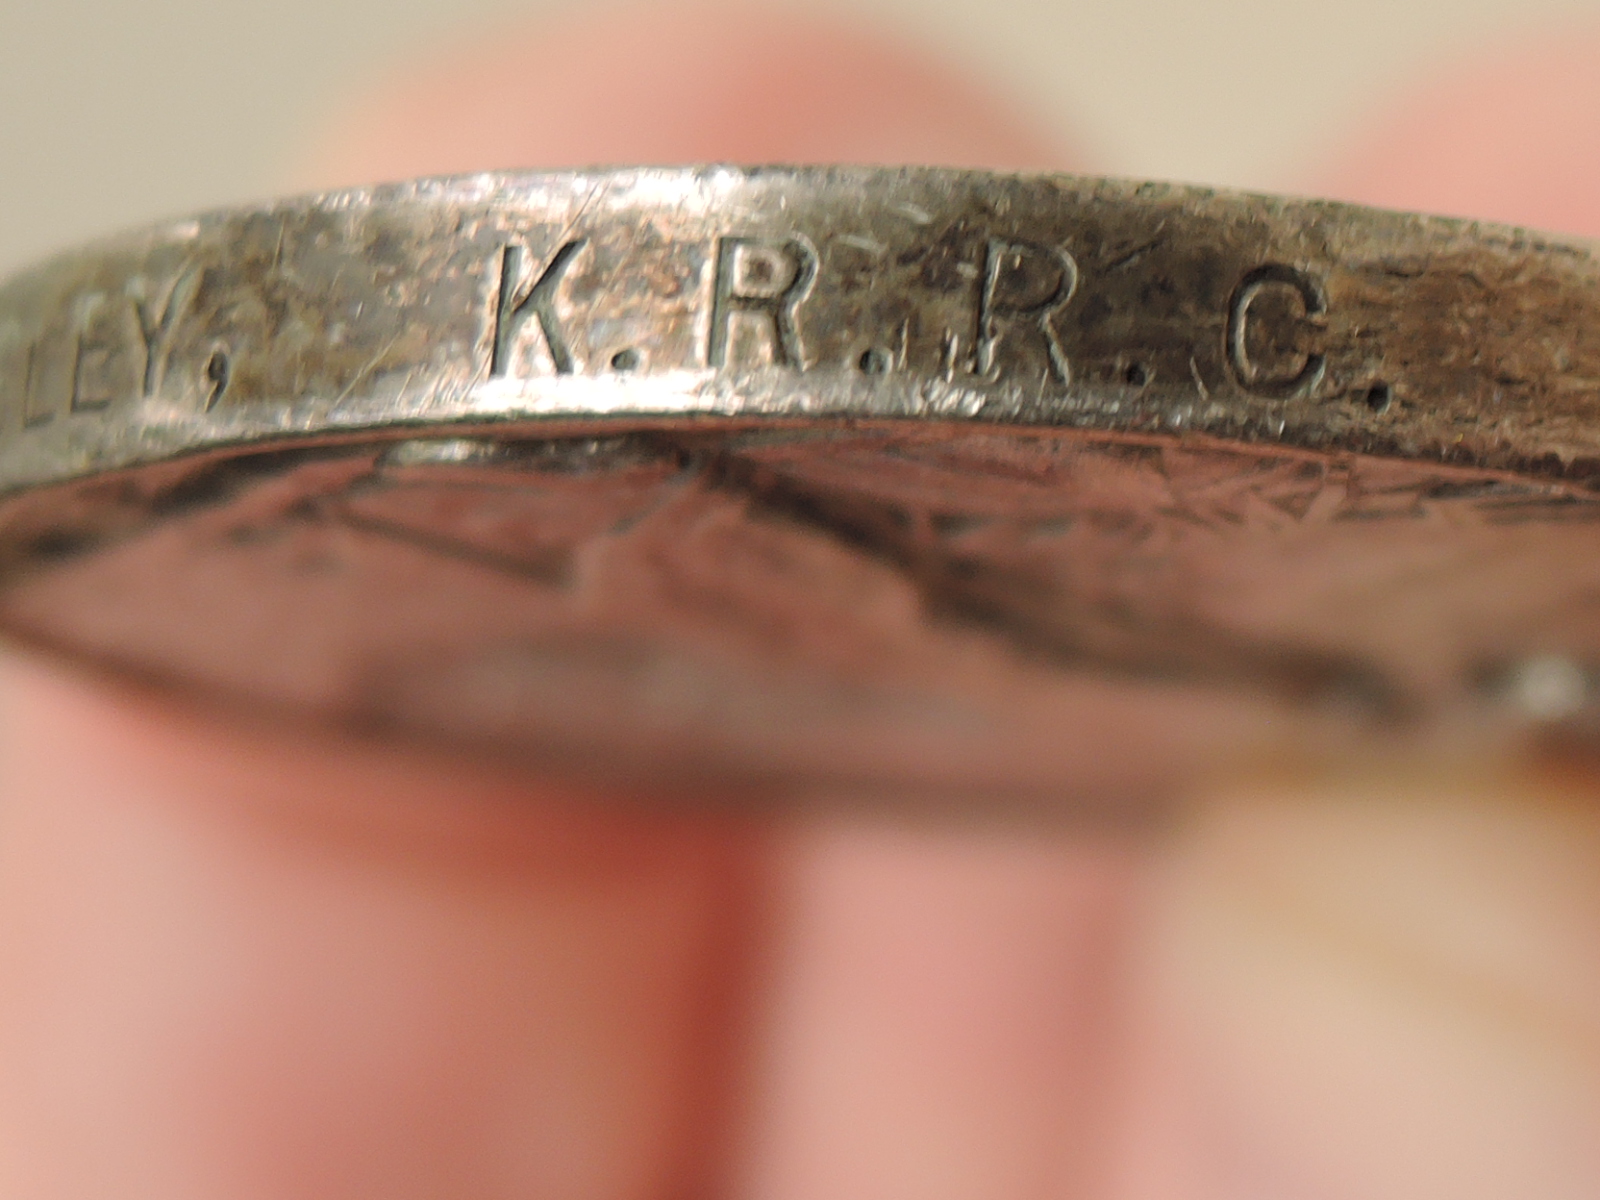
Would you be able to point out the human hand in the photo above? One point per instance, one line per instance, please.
(238, 964)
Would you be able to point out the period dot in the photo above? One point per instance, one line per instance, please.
(876, 361)
(625, 360)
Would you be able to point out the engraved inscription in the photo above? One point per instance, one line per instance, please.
(766, 279)
(156, 326)
(36, 410)
(103, 370)
(949, 351)
(14, 351)
(1023, 280)
(515, 305)
(48, 378)
(876, 361)
(1272, 328)
(219, 371)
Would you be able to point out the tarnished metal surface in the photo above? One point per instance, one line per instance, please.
(805, 479)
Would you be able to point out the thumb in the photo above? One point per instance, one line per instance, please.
(1388, 986)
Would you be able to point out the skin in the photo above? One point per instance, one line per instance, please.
(239, 964)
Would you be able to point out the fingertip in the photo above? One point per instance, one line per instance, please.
(1512, 134)
(299, 969)
(1379, 987)
(679, 84)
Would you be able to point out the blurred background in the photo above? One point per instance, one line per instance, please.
(114, 113)
(1390, 993)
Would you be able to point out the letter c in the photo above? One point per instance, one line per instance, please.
(1301, 378)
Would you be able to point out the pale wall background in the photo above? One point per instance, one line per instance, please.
(114, 113)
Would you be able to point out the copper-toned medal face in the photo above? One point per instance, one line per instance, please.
(798, 482)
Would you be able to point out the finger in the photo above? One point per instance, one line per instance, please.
(1000, 945)
(1380, 989)
(1508, 137)
(1385, 986)
(943, 1015)
(258, 968)
(236, 966)
(676, 84)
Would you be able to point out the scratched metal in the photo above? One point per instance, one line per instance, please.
(805, 482)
